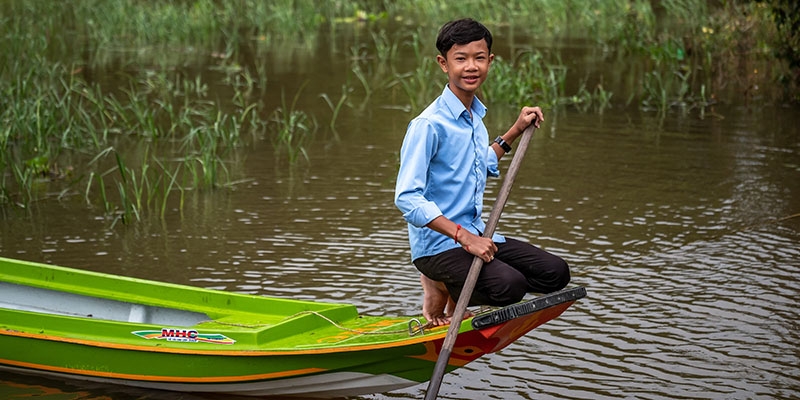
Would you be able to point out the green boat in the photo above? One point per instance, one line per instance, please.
(75, 324)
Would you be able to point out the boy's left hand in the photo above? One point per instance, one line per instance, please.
(528, 116)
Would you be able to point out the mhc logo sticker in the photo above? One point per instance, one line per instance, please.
(185, 335)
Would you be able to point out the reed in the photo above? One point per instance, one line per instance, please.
(698, 52)
(294, 129)
(529, 79)
(418, 84)
(141, 193)
(386, 49)
(71, 115)
(602, 98)
(336, 108)
(168, 187)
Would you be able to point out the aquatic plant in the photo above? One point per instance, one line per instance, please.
(386, 49)
(141, 193)
(418, 84)
(336, 108)
(294, 128)
(530, 79)
(71, 115)
(698, 48)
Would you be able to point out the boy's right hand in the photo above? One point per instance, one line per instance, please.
(479, 246)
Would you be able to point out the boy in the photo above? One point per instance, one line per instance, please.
(444, 161)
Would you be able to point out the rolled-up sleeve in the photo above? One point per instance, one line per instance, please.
(492, 164)
(418, 148)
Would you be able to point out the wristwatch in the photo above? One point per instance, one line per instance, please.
(505, 146)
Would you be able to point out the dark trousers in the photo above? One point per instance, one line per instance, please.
(518, 268)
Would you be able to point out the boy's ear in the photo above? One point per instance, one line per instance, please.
(442, 62)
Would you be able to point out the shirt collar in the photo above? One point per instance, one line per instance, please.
(457, 108)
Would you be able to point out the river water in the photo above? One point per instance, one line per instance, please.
(684, 230)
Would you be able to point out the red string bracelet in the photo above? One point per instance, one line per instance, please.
(455, 237)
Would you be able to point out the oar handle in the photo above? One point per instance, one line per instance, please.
(475, 268)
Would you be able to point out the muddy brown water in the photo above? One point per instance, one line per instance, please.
(683, 230)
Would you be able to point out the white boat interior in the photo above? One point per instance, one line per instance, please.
(42, 300)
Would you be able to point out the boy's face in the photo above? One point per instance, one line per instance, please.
(466, 66)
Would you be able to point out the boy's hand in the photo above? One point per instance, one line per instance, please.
(528, 116)
(478, 246)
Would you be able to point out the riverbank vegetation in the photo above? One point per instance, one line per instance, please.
(131, 107)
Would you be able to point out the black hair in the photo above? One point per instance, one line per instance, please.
(462, 31)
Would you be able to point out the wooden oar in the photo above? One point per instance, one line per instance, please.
(475, 269)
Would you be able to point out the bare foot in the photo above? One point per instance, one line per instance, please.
(437, 305)
(434, 300)
(451, 309)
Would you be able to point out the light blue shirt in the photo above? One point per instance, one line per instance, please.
(444, 162)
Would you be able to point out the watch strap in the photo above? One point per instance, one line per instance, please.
(505, 146)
